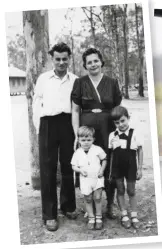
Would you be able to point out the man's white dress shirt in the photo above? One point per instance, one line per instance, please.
(52, 95)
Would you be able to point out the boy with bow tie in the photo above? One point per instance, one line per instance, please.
(126, 163)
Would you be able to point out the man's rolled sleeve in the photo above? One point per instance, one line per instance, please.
(37, 104)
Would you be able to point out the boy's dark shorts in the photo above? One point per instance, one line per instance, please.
(124, 165)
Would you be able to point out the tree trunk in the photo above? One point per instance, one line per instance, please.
(35, 25)
(72, 50)
(108, 27)
(141, 88)
(126, 68)
(92, 26)
(140, 56)
(91, 20)
(116, 38)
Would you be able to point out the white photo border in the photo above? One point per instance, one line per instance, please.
(8, 161)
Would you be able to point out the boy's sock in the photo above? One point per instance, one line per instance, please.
(134, 216)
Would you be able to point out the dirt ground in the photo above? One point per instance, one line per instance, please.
(32, 230)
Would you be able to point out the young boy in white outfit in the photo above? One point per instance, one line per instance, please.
(90, 161)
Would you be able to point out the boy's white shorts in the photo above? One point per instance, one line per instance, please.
(89, 184)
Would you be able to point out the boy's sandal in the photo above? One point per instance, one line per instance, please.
(91, 223)
(125, 221)
(99, 223)
(135, 222)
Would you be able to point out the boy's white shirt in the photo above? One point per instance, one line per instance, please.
(136, 140)
(90, 161)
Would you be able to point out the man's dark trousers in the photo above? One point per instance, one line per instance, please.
(56, 138)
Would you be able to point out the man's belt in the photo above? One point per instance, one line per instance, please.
(96, 110)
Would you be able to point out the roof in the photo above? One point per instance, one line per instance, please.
(15, 72)
(158, 12)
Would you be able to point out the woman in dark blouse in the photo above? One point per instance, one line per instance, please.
(93, 97)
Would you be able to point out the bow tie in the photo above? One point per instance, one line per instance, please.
(123, 136)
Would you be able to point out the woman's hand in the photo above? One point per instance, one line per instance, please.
(100, 173)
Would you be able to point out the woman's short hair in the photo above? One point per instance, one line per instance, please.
(86, 131)
(118, 112)
(90, 51)
(60, 48)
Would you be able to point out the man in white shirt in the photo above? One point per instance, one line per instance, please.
(52, 120)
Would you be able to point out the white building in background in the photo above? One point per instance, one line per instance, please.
(17, 81)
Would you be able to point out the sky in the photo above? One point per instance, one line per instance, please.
(56, 22)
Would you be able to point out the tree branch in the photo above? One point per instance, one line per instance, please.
(84, 10)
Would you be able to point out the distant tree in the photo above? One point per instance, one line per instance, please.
(70, 16)
(112, 24)
(16, 52)
(136, 38)
(138, 12)
(125, 62)
(112, 30)
(113, 20)
(89, 12)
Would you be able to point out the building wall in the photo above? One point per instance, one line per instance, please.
(17, 85)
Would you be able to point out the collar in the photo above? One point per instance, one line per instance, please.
(53, 74)
(125, 132)
(88, 150)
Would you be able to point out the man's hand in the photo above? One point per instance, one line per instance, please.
(75, 143)
(139, 174)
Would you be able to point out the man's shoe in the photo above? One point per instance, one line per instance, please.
(51, 225)
(71, 215)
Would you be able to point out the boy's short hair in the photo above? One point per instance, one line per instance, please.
(118, 112)
(86, 131)
(60, 48)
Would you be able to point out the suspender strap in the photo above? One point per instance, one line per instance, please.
(129, 138)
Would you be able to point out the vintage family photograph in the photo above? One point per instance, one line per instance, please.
(85, 148)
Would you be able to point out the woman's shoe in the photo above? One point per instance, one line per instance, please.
(71, 215)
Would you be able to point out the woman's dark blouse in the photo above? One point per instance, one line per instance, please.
(84, 93)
